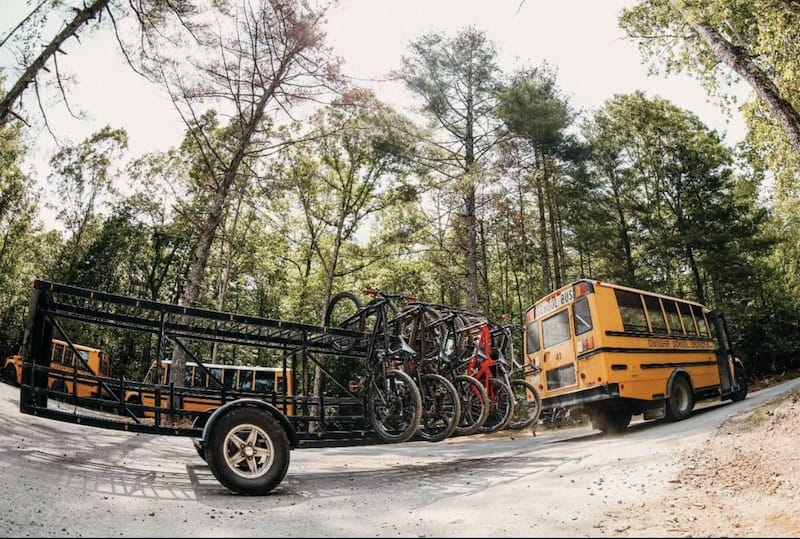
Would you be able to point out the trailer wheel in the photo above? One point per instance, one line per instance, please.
(248, 451)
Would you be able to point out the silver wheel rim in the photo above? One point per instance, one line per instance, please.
(248, 451)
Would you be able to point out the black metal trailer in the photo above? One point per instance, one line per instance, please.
(246, 440)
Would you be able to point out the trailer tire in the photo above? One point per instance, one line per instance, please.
(247, 450)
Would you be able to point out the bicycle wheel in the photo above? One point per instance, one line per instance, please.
(441, 408)
(394, 406)
(474, 404)
(501, 408)
(344, 311)
(527, 404)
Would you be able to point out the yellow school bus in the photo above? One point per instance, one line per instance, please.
(204, 385)
(614, 352)
(76, 374)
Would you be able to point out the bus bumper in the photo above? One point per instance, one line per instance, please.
(595, 394)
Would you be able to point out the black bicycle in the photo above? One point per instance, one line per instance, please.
(440, 398)
(527, 400)
(393, 401)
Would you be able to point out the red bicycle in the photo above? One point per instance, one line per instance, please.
(487, 364)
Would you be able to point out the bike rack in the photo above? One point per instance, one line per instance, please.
(76, 314)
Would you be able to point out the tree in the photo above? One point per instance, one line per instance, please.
(354, 166)
(457, 79)
(537, 115)
(83, 178)
(759, 40)
(150, 15)
(264, 58)
(21, 242)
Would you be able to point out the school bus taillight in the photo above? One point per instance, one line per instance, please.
(585, 344)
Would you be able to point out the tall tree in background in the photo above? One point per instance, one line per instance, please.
(358, 166)
(20, 248)
(538, 115)
(263, 58)
(457, 79)
(672, 180)
(83, 177)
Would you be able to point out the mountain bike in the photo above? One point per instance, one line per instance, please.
(490, 368)
(527, 400)
(443, 324)
(441, 400)
(393, 402)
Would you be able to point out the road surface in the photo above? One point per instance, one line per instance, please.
(62, 479)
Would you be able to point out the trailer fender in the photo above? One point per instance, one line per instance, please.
(291, 434)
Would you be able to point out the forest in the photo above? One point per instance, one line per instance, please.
(292, 183)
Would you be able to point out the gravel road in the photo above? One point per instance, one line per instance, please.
(67, 480)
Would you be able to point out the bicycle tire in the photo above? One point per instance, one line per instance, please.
(474, 404)
(527, 404)
(344, 310)
(501, 409)
(394, 406)
(441, 408)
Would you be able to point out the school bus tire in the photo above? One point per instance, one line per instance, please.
(247, 450)
(741, 381)
(681, 399)
(10, 374)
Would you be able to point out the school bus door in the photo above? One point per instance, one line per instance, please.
(559, 362)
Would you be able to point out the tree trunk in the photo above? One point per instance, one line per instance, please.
(81, 16)
(698, 282)
(544, 260)
(740, 61)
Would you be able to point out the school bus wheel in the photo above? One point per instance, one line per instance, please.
(681, 399)
(247, 450)
(741, 381)
(10, 374)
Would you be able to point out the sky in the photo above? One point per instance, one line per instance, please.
(580, 39)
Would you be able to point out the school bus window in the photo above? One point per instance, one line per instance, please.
(583, 319)
(673, 318)
(214, 373)
(198, 377)
(556, 329)
(58, 353)
(264, 381)
(280, 385)
(701, 321)
(187, 377)
(657, 322)
(229, 378)
(532, 338)
(632, 311)
(688, 320)
(246, 381)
